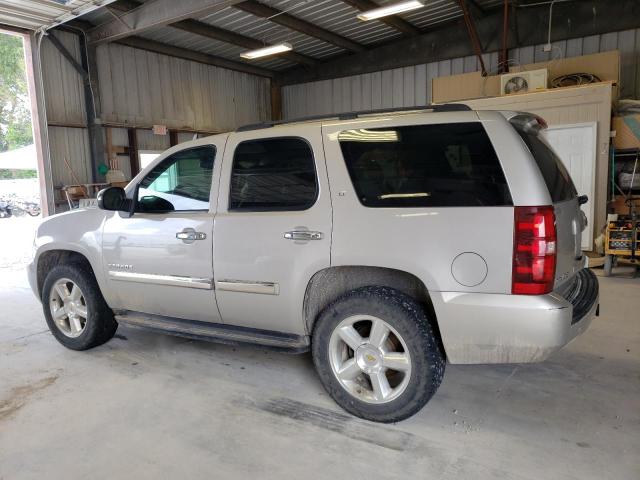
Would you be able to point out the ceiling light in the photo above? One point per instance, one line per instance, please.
(387, 10)
(266, 51)
(364, 135)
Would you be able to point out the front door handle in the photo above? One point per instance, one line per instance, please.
(189, 235)
(303, 235)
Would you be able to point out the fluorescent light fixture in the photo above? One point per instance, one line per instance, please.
(392, 9)
(266, 51)
(404, 195)
(364, 135)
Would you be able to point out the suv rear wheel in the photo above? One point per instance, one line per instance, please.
(376, 354)
(74, 308)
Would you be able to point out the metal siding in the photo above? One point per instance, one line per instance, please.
(120, 138)
(71, 144)
(63, 86)
(143, 88)
(148, 141)
(410, 85)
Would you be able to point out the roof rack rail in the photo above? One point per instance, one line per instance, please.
(445, 107)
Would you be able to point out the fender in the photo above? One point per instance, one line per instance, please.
(79, 231)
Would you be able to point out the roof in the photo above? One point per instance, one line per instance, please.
(338, 17)
(36, 14)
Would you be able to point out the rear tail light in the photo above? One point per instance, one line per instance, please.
(534, 250)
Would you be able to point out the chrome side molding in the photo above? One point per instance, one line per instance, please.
(264, 288)
(169, 280)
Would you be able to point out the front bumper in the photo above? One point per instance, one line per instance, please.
(495, 328)
(32, 276)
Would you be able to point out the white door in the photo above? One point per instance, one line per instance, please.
(576, 147)
(160, 260)
(272, 227)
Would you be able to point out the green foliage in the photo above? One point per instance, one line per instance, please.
(6, 174)
(15, 114)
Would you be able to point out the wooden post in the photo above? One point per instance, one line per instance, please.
(276, 101)
(134, 161)
(173, 138)
(503, 62)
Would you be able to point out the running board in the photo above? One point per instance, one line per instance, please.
(215, 332)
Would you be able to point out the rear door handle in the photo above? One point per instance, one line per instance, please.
(303, 235)
(189, 235)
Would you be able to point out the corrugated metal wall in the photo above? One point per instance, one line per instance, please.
(140, 88)
(405, 87)
(64, 97)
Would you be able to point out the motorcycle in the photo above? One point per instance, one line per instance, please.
(10, 207)
(5, 209)
(30, 208)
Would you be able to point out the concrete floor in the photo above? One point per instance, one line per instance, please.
(152, 406)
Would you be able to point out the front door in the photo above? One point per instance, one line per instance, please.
(160, 260)
(273, 226)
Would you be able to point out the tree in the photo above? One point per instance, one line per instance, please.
(15, 114)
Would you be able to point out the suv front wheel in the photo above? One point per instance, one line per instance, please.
(76, 312)
(377, 355)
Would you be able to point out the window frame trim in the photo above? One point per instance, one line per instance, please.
(231, 209)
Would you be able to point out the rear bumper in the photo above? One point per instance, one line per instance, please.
(495, 328)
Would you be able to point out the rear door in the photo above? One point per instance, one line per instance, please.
(273, 226)
(570, 221)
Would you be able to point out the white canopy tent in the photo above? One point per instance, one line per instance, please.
(23, 158)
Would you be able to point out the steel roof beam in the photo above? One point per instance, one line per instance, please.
(294, 23)
(227, 36)
(155, 14)
(194, 56)
(183, 53)
(449, 41)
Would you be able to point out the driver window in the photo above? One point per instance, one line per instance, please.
(181, 182)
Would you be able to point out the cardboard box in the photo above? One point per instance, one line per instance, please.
(627, 130)
(605, 66)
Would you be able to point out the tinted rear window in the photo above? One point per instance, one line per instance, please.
(553, 171)
(424, 166)
(273, 174)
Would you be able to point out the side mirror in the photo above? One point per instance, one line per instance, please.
(582, 199)
(113, 199)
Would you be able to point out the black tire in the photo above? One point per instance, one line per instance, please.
(100, 324)
(608, 265)
(408, 318)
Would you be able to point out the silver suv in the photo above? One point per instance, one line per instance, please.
(387, 243)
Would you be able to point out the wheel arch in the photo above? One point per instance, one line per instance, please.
(50, 258)
(329, 284)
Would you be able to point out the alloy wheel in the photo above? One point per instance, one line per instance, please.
(370, 359)
(68, 308)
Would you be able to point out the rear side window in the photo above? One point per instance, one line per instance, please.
(448, 165)
(553, 171)
(273, 174)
